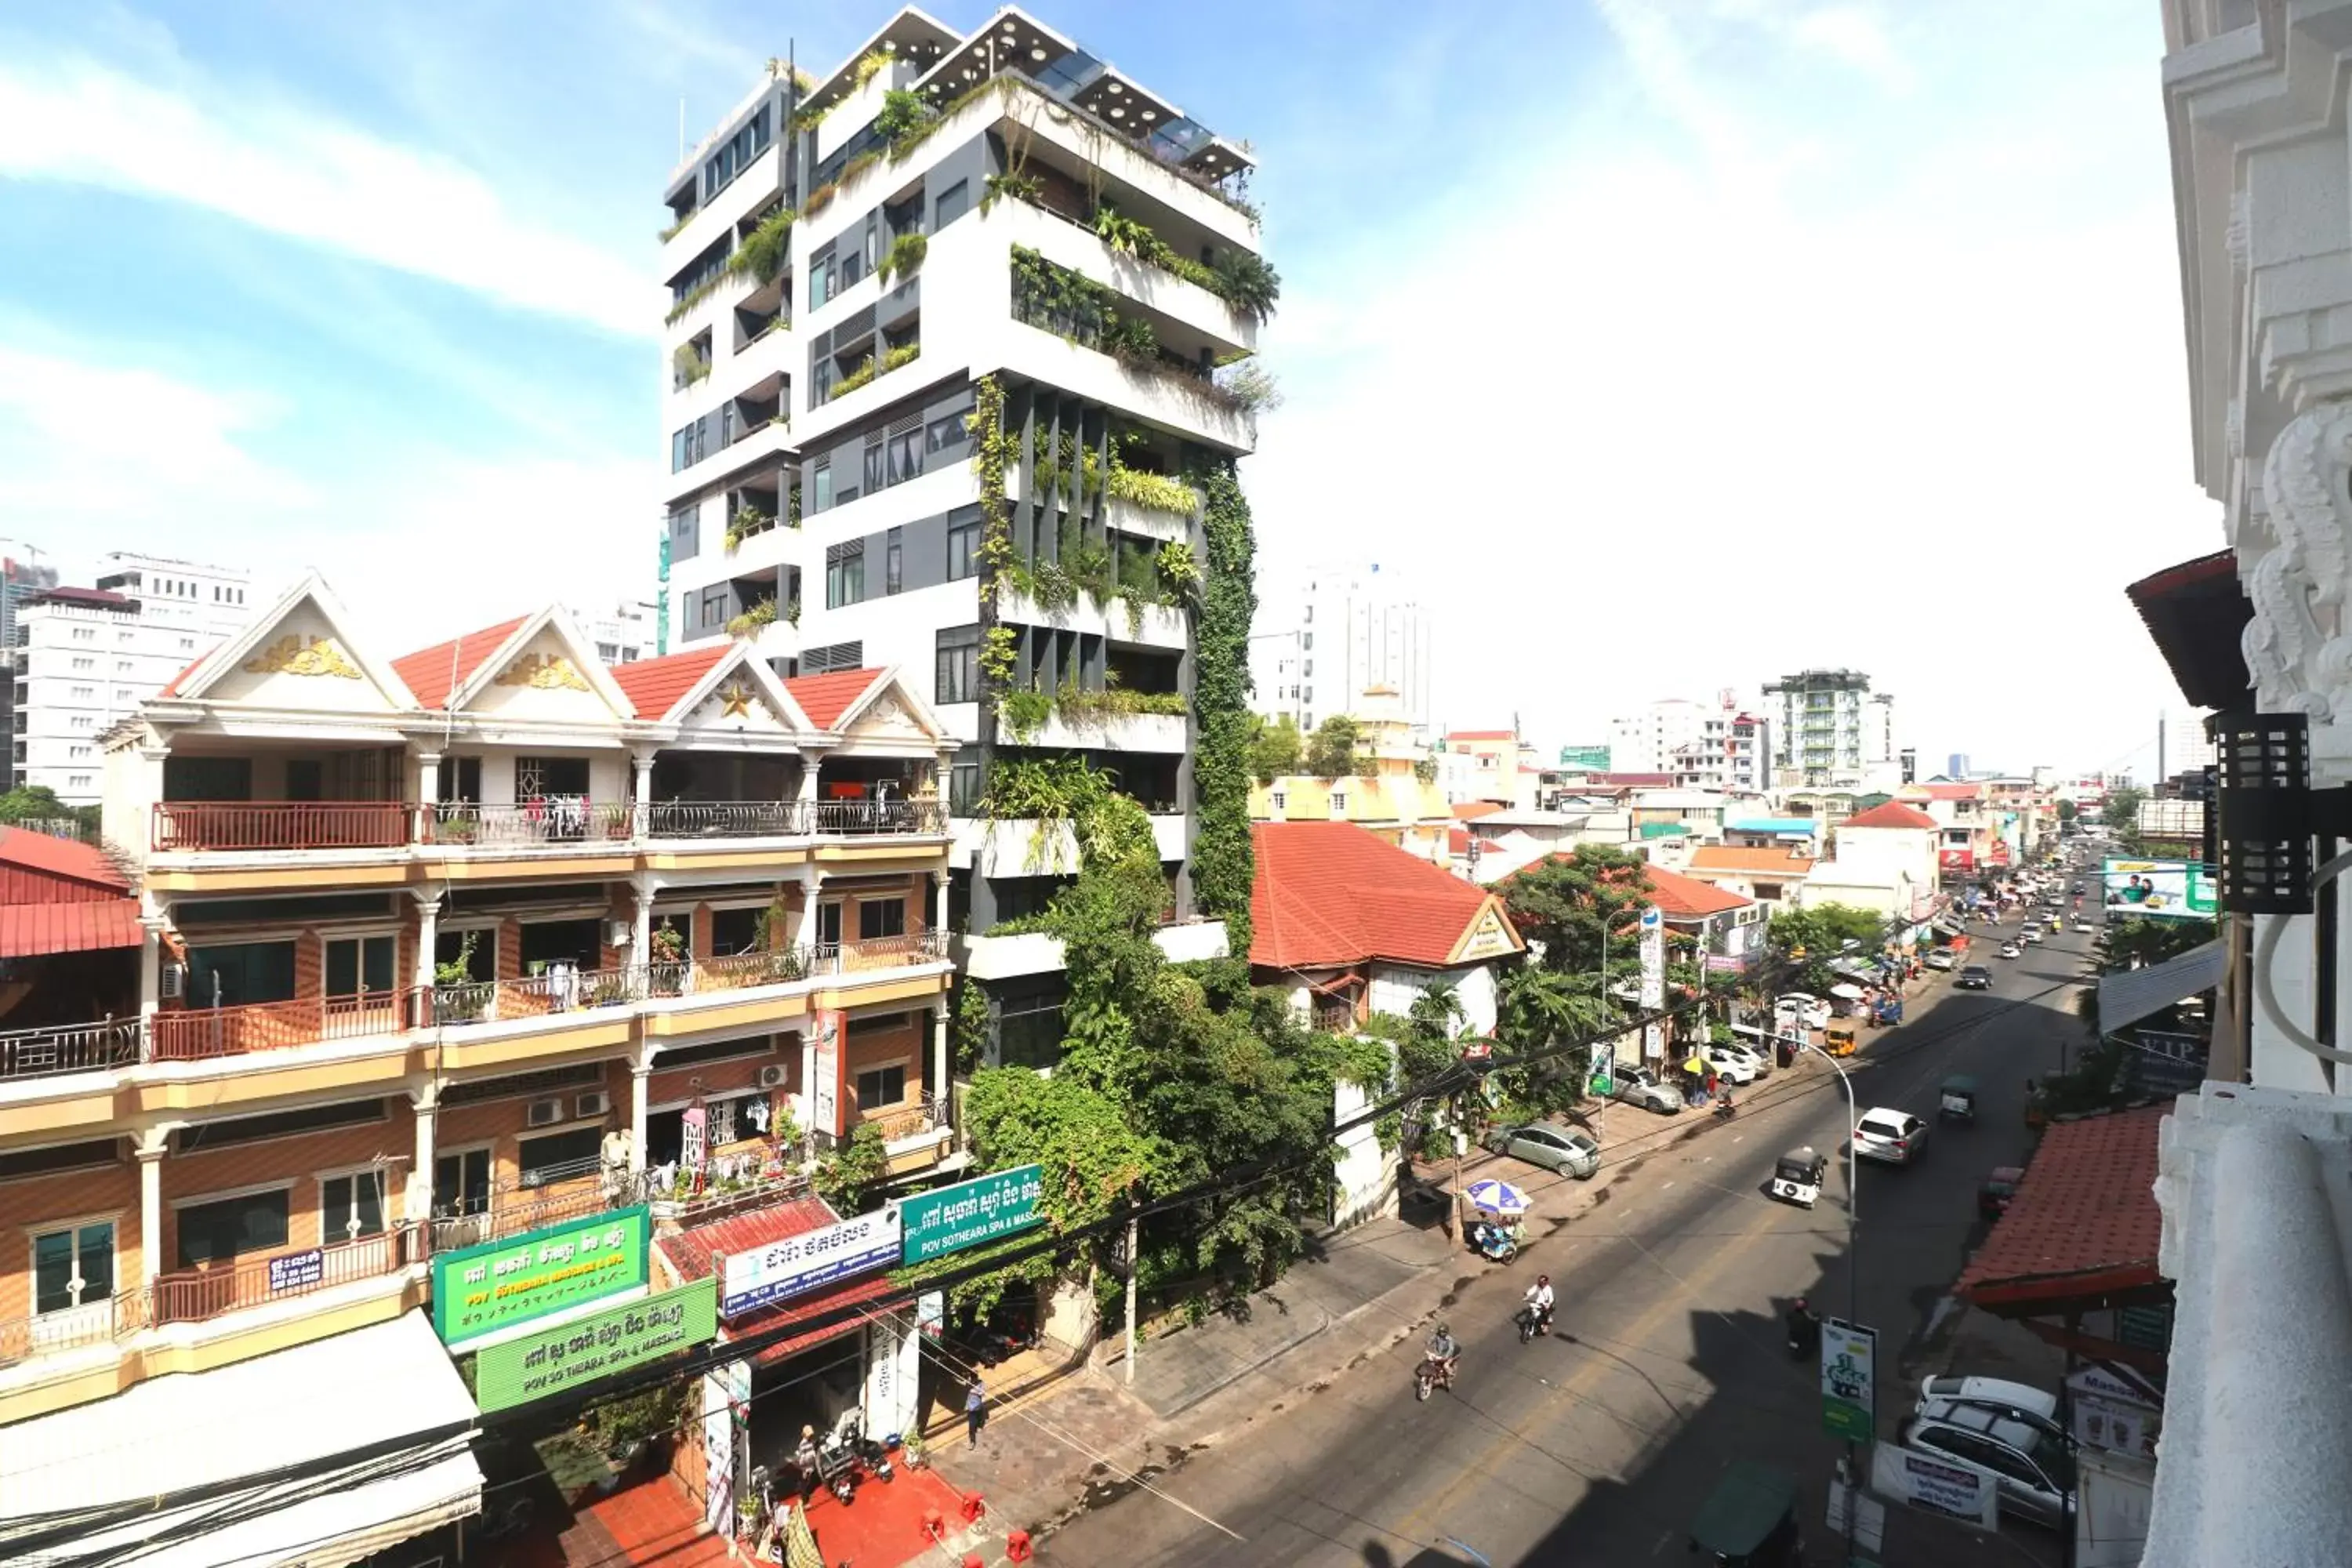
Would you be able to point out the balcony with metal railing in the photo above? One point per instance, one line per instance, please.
(558, 820)
(269, 826)
(238, 827)
(204, 1034)
(62, 1049)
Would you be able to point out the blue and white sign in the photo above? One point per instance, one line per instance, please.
(298, 1270)
(799, 1264)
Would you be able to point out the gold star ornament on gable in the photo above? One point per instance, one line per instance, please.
(737, 699)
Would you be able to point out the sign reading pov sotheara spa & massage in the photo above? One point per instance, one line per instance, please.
(548, 1361)
(968, 1213)
(480, 1291)
(799, 1264)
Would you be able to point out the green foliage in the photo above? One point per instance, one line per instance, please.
(996, 649)
(851, 1176)
(821, 197)
(869, 368)
(39, 804)
(1821, 933)
(1332, 753)
(766, 250)
(902, 114)
(690, 363)
(1131, 337)
(1014, 187)
(745, 523)
(1222, 864)
(2067, 811)
(1154, 492)
(1248, 284)
(748, 623)
(694, 296)
(1575, 904)
(1250, 387)
(968, 1026)
(1023, 712)
(2136, 943)
(457, 971)
(869, 66)
(2122, 808)
(1274, 749)
(1540, 1004)
(904, 257)
(670, 231)
(1179, 568)
(1081, 707)
(1425, 770)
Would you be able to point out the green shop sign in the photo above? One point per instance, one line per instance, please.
(550, 1361)
(952, 1218)
(480, 1291)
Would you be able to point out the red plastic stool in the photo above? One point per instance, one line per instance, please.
(974, 1505)
(1016, 1546)
(971, 1560)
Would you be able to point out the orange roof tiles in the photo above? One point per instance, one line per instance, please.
(691, 1253)
(1953, 790)
(28, 930)
(60, 858)
(1686, 898)
(433, 673)
(1333, 893)
(2084, 1219)
(654, 686)
(825, 698)
(1471, 810)
(1743, 858)
(1891, 814)
(1482, 735)
(172, 687)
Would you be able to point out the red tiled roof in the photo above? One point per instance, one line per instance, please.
(654, 686)
(800, 1309)
(102, 598)
(433, 673)
(825, 698)
(1457, 841)
(1686, 898)
(172, 687)
(1748, 858)
(1333, 893)
(2084, 1219)
(689, 1251)
(1471, 810)
(1891, 814)
(1953, 790)
(1482, 735)
(60, 858)
(31, 930)
(1635, 781)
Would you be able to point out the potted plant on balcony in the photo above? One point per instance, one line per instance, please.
(452, 824)
(665, 958)
(457, 996)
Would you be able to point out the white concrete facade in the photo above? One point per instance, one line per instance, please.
(1337, 632)
(1828, 727)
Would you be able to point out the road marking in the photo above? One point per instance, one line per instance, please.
(1669, 1185)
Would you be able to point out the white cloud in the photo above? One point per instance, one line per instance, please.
(297, 171)
(1854, 36)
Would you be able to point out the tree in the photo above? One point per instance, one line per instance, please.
(2067, 811)
(2123, 809)
(1822, 933)
(1576, 904)
(2135, 943)
(1274, 749)
(1331, 754)
(1540, 1004)
(853, 1173)
(39, 804)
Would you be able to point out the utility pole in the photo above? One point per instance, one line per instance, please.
(1131, 1299)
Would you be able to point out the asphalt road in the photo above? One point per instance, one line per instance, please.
(1669, 1358)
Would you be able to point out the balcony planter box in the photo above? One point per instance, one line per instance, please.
(459, 1009)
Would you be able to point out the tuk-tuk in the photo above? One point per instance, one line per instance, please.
(1749, 1520)
(1886, 1010)
(1956, 1100)
(1997, 1191)
(1797, 1176)
(1840, 1037)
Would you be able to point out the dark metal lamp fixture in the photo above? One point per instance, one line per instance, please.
(2260, 823)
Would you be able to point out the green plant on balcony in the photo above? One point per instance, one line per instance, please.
(693, 296)
(1130, 338)
(904, 121)
(869, 66)
(747, 521)
(793, 612)
(1128, 237)
(684, 218)
(903, 355)
(1248, 284)
(750, 621)
(1180, 571)
(858, 375)
(767, 249)
(905, 255)
(1250, 388)
(1011, 187)
(1080, 707)
(1153, 492)
(996, 649)
(689, 364)
(1023, 712)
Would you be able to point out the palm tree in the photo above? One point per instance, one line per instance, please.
(1539, 1005)
(1250, 285)
(1437, 1012)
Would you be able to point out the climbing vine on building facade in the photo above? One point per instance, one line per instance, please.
(1222, 864)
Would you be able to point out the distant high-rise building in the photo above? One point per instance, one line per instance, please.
(1831, 724)
(20, 578)
(623, 634)
(1956, 766)
(2181, 733)
(1317, 649)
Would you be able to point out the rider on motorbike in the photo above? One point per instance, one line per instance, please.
(1540, 1297)
(1804, 1327)
(1444, 1352)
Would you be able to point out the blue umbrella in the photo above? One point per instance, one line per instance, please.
(1498, 1197)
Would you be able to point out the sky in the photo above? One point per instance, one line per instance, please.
(1661, 346)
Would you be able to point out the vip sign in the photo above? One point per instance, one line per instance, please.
(1654, 979)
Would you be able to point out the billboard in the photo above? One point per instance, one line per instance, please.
(799, 1264)
(951, 1218)
(587, 1350)
(480, 1291)
(2156, 889)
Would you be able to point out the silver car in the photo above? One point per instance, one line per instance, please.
(1893, 1137)
(1639, 1085)
(1560, 1149)
(2032, 1472)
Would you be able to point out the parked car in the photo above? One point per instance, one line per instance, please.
(2013, 950)
(1975, 977)
(1941, 958)
(1730, 1062)
(1809, 1011)
(2032, 1473)
(1640, 1086)
(2020, 1402)
(1560, 1149)
(1755, 1051)
(1893, 1137)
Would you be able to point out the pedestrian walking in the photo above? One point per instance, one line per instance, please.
(804, 1458)
(975, 1410)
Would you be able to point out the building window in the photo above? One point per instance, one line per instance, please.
(882, 1086)
(248, 972)
(894, 563)
(880, 917)
(230, 1227)
(1280, 797)
(873, 466)
(1029, 1025)
(72, 1266)
(906, 455)
(821, 486)
(1767, 891)
(844, 576)
(950, 204)
(964, 546)
(963, 789)
(350, 1207)
(957, 671)
(714, 609)
(1338, 803)
(820, 288)
(560, 1156)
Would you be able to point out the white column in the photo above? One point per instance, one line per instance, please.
(428, 935)
(939, 903)
(151, 962)
(810, 760)
(641, 810)
(939, 1062)
(420, 1174)
(428, 778)
(151, 1148)
(641, 935)
(640, 1075)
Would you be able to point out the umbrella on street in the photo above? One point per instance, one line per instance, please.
(1498, 1197)
(1846, 993)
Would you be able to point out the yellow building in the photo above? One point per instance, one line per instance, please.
(439, 950)
(1394, 795)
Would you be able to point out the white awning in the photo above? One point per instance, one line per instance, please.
(386, 1389)
(2135, 994)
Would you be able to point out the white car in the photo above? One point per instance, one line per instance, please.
(1940, 959)
(2031, 934)
(1891, 1137)
(1808, 1011)
(1729, 1062)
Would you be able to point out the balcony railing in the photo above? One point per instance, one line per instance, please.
(556, 819)
(692, 976)
(201, 1034)
(198, 1295)
(906, 1121)
(282, 825)
(727, 818)
(66, 1328)
(878, 953)
(71, 1047)
(851, 819)
(562, 990)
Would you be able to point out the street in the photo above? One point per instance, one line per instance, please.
(1668, 1357)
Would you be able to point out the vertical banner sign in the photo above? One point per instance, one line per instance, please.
(717, 1455)
(1653, 980)
(825, 1085)
(694, 1148)
(1849, 1380)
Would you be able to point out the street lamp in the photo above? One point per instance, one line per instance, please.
(1852, 1280)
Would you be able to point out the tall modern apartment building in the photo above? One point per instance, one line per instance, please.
(967, 288)
(22, 575)
(87, 658)
(1705, 745)
(1832, 728)
(1341, 632)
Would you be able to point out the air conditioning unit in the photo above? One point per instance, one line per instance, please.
(544, 1113)
(619, 933)
(174, 978)
(595, 1102)
(774, 1077)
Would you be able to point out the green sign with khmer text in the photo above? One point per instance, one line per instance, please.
(480, 1291)
(550, 1361)
(933, 1225)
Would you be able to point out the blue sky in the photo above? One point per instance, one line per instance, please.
(1663, 346)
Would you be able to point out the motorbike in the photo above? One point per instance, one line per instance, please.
(1533, 1320)
(1499, 1242)
(1434, 1372)
(842, 1450)
(1804, 1336)
(1724, 1111)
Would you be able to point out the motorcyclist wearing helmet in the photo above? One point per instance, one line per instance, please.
(1540, 1297)
(1445, 1352)
(1804, 1326)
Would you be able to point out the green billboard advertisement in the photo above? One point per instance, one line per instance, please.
(952, 1218)
(551, 1361)
(480, 1291)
